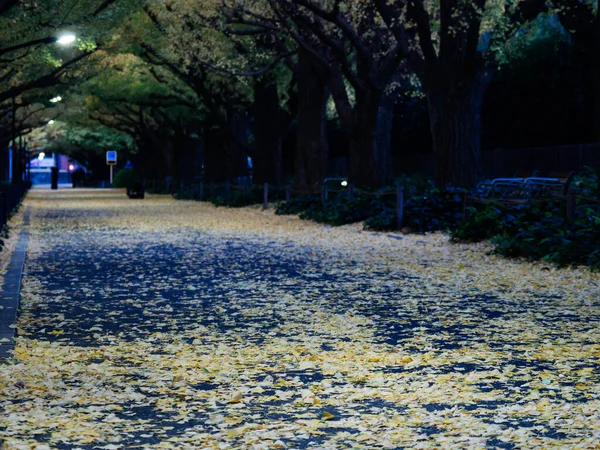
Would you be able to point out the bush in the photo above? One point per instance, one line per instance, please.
(339, 211)
(384, 221)
(434, 211)
(124, 178)
(537, 231)
(297, 205)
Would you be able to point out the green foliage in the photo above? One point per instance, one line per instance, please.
(297, 205)
(95, 139)
(237, 197)
(384, 221)
(537, 231)
(339, 211)
(427, 209)
(124, 178)
(482, 224)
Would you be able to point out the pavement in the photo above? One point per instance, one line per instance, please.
(172, 324)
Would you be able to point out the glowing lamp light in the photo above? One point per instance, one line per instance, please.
(50, 122)
(41, 156)
(344, 183)
(66, 39)
(71, 167)
(56, 99)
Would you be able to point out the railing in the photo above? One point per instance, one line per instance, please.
(514, 191)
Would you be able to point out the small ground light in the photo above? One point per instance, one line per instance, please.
(344, 183)
(66, 39)
(56, 99)
(71, 167)
(50, 122)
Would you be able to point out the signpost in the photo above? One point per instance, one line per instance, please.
(111, 160)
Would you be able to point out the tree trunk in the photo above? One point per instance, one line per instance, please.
(596, 65)
(162, 146)
(383, 139)
(236, 161)
(310, 163)
(370, 153)
(368, 126)
(214, 164)
(3, 159)
(270, 124)
(455, 118)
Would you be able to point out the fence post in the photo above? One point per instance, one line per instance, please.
(288, 193)
(212, 191)
(266, 197)
(399, 205)
(227, 190)
(351, 192)
(324, 193)
(465, 204)
(202, 191)
(570, 205)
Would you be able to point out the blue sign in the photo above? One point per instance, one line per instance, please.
(111, 157)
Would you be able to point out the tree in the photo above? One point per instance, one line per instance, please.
(453, 46)
(29, 59)
(582, 20)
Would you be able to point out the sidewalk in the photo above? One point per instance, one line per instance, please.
(165, 324)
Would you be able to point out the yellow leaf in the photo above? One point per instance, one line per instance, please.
(327, 416)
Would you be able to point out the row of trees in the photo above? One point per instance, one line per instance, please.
(218, 81)
(35, 67)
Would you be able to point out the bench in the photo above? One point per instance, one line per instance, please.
(524, 188)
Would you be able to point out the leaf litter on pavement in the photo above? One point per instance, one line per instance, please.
(166, 324)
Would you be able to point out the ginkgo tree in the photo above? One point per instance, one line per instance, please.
(32, 61)
(582, 20)
(136, 99)
(453, 47)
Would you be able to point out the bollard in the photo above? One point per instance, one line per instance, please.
(324, 193)
(288, 193)
(351, 192)
(465, 205)
(399, 206)
(202, 191)
(212, 191)
(227, 190)
(266, 197)
(570, 205)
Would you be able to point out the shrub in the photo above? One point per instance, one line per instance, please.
(339, 211)
(124, 178)
(297, 205)
(537, 231)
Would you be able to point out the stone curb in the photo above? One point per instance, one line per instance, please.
(10, 293)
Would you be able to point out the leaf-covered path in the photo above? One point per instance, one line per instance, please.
(160, 324)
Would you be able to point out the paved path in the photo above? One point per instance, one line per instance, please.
(163, 324)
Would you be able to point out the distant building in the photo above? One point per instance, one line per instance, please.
(40, 168)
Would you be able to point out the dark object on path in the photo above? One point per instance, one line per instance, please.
(78, 177)
(54, 178)
(136, 190)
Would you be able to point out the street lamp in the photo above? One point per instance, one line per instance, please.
(66, 39)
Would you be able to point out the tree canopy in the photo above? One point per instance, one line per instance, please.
(294, 84)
